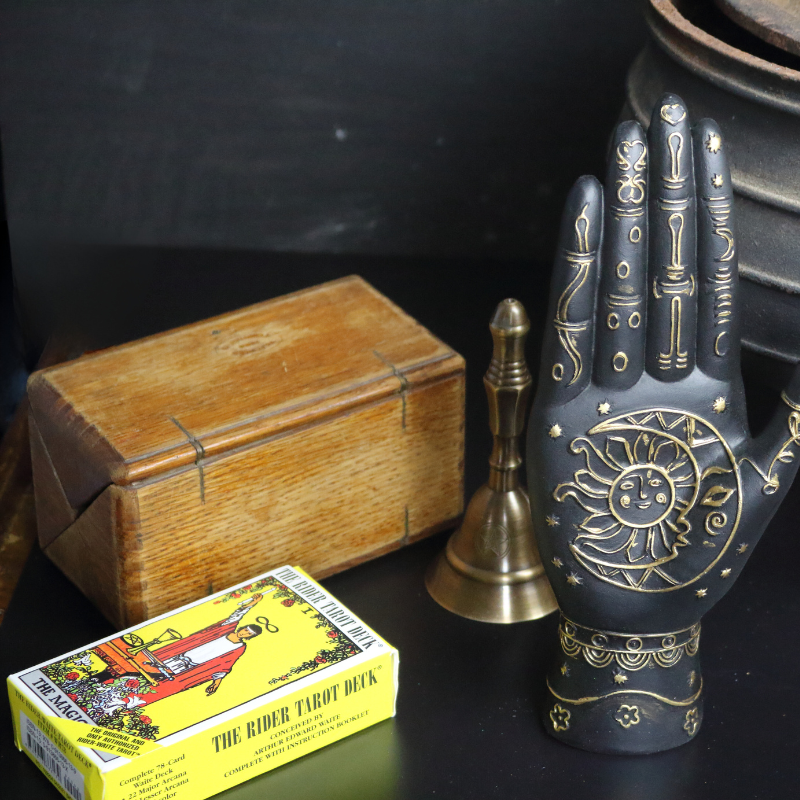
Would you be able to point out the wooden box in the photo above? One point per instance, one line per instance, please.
(322, 428)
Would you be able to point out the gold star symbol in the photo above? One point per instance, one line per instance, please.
(701, 592)
(552, 521)
(724, 574)
(564, 669)
(557, 562)
(716, 181)
(742, 548)
(604, 407)
(574, 580)
(714, 142)
(555, 431)
(620, 678)
(719, 405)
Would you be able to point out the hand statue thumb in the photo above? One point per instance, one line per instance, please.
(774, 455)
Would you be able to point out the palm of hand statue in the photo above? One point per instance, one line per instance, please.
(647, 490)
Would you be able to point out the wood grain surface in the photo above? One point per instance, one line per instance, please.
(17, 518)
(230, 379)
(322, 429)
(17, 510)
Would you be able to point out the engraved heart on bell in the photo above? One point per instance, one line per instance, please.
(491, 570)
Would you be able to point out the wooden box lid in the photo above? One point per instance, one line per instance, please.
(141, 409)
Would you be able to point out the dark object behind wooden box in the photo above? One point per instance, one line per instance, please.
(322, 428)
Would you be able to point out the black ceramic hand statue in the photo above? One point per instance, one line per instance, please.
(648, 491)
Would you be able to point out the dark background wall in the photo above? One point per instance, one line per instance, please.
(404, 126)
(168, 159)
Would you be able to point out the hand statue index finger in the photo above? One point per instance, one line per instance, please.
(567, 352)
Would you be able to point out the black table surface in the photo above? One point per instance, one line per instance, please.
(467, 716)
(467, 721)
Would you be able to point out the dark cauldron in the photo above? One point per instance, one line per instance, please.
(752, 89)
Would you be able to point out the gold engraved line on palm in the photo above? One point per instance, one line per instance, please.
(675, 147)
(581, 261)
(639, 490)
(631, 186)
(719, 209)
(675, 284)
(628, 301)
(784, 455)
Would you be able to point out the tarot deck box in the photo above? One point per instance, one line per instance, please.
(322, 428)
(200, 699)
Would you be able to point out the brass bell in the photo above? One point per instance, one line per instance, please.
(491, 570)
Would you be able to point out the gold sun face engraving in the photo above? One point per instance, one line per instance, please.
(644, 491)
(642, 496)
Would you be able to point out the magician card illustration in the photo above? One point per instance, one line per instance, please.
(167, 675)
(172, 663)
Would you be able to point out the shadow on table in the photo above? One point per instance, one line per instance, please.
(374, 756)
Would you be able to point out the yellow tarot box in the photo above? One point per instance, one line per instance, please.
(195, 701)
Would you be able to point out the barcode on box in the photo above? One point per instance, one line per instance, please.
(50, 758)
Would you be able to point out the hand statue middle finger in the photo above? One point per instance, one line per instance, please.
(672, 286)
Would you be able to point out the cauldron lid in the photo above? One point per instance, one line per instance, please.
(774, 21)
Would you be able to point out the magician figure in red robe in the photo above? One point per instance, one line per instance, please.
(206, 655)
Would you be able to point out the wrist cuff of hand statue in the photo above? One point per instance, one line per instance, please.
(630, 651)
(624, 693)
